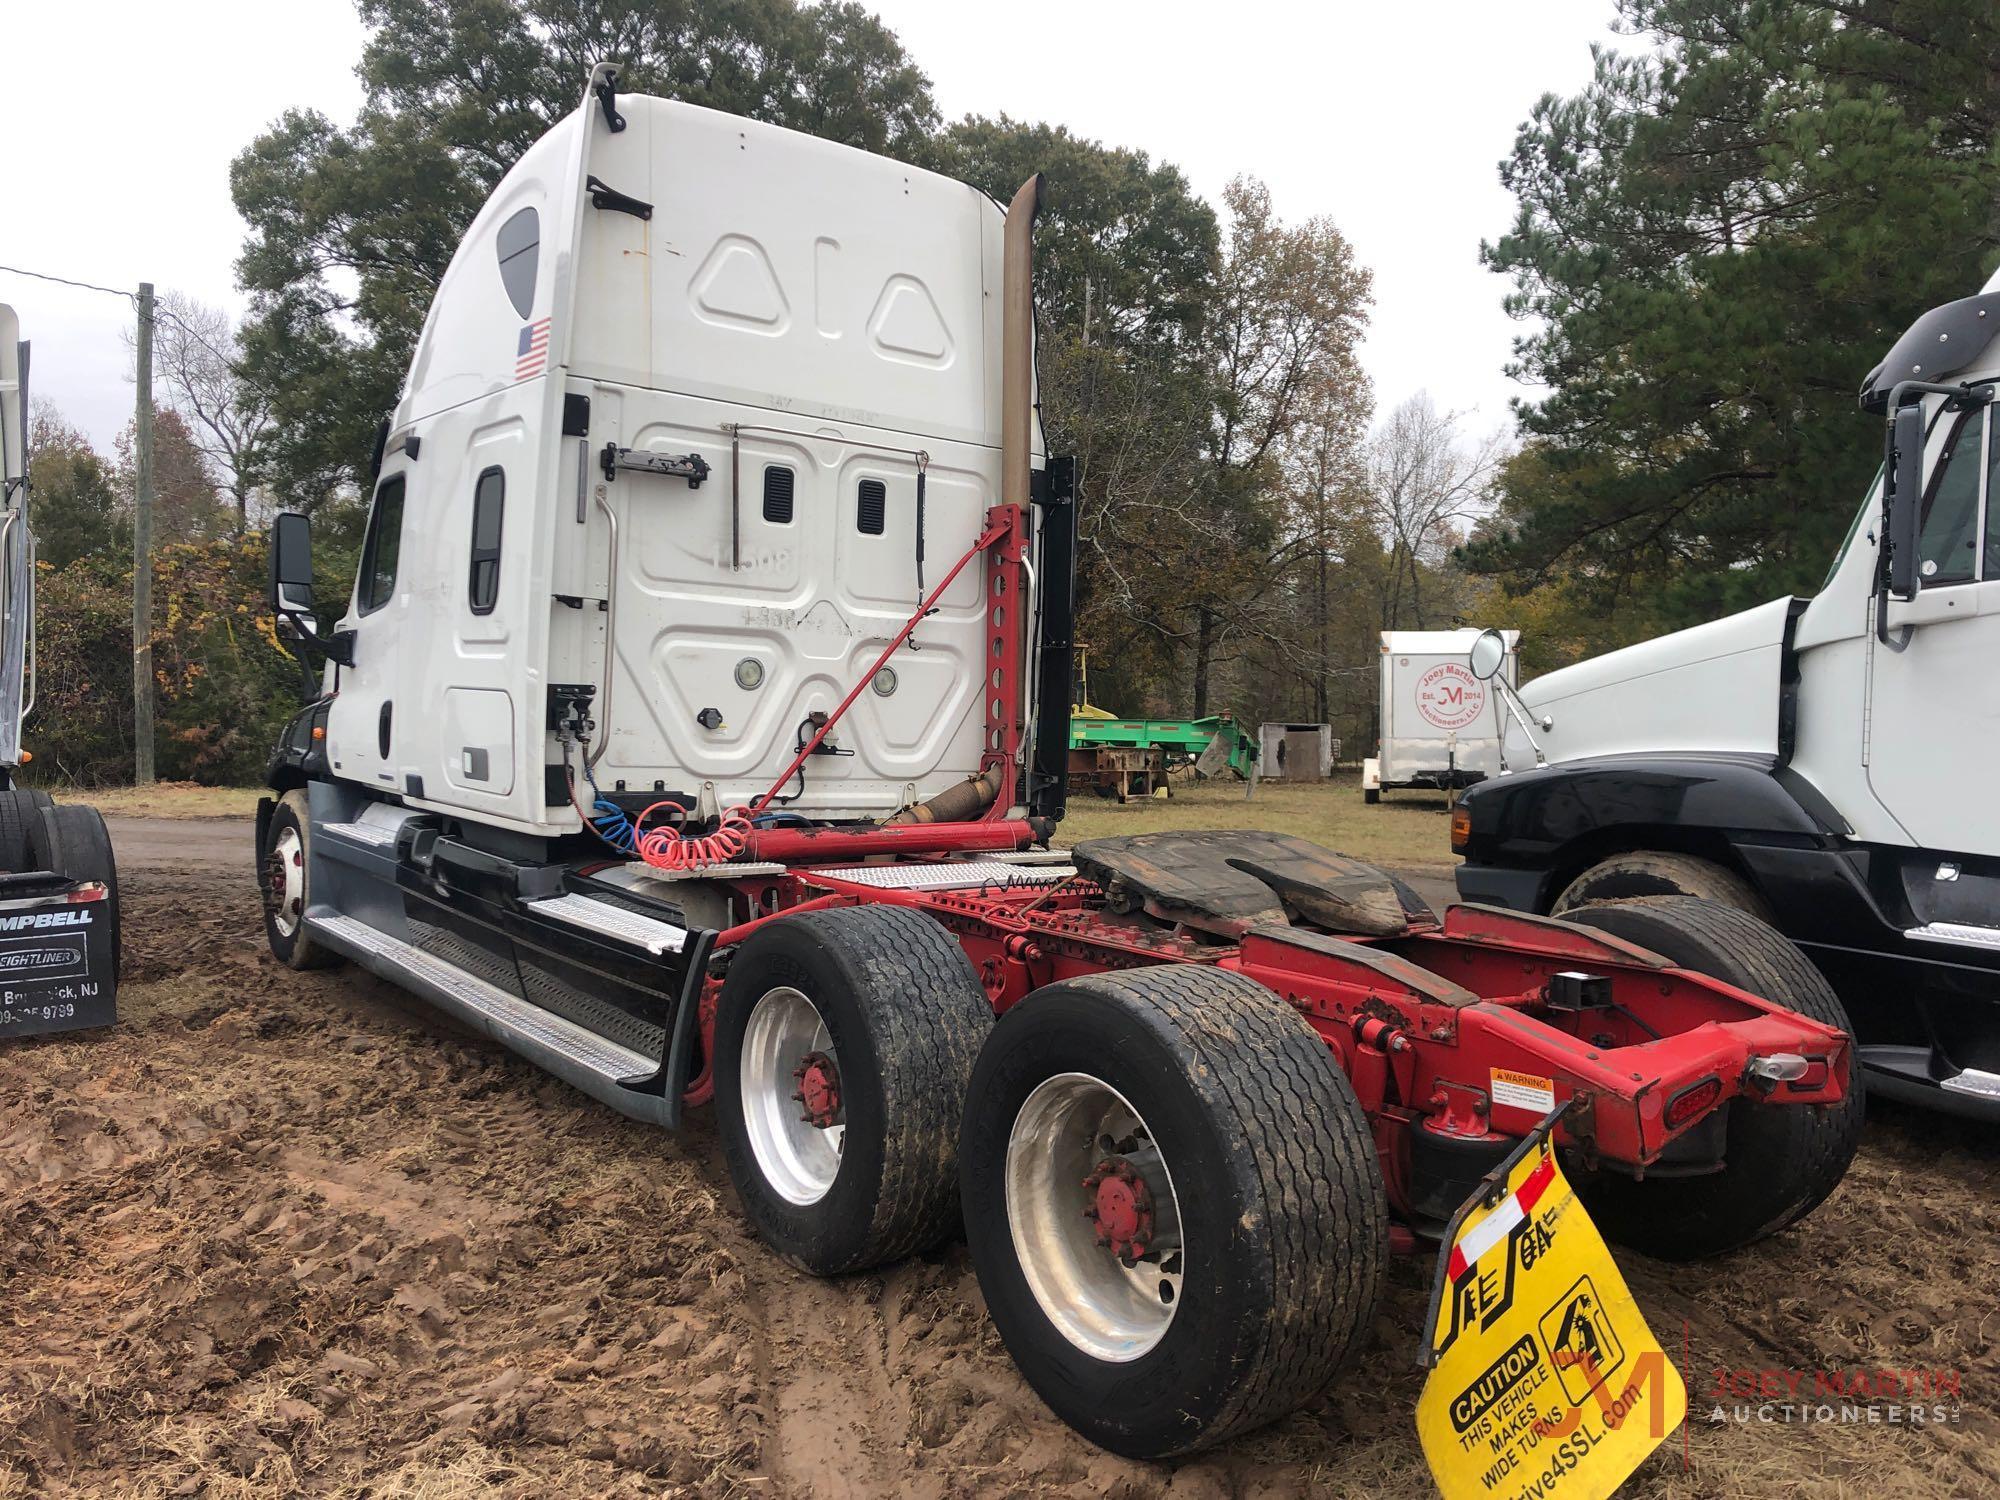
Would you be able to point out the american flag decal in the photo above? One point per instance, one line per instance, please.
(532, 353)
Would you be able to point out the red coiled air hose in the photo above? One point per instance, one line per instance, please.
(668, 848)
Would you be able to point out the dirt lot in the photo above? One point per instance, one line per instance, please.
(283, 1233)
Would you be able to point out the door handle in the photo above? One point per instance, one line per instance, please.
(382, 728)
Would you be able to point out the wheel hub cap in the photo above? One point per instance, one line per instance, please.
(1106, 1263)
(285, 881)
(789, 1065)
(1122, 1206)
(818, 1090)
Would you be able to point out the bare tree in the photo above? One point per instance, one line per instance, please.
(1289, 306)
(1426, 484)
(195, 351)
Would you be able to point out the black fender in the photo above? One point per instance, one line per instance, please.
(1531, 832)
(300, 754)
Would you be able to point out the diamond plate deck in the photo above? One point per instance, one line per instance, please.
(960, 875)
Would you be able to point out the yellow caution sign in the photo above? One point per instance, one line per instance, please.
(1545, 1381)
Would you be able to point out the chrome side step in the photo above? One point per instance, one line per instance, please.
(1974, 1081)
(377, 834)
(602, 917)
(578, 1056)
(1961, 934)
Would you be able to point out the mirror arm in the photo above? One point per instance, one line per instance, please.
(1527, 721)
(339, 646)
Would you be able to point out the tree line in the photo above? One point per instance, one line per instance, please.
(1714, 240)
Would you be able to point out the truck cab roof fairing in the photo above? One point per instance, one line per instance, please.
(1941, 343)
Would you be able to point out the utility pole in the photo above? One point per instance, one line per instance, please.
(142, 552)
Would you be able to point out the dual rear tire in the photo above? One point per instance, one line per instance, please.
(1170, 1192)
(1173, 1203)
(1171, 1195)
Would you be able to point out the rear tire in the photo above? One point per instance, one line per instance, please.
(285, 880)
(1371, 795)
(1781, 1160)
(1254, 1152)
(75, 843)
(876, 1012)
(18, 816)
(1647, 872)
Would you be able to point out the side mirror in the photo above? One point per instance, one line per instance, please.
(1488, 655)
(291, 564)
(1903, 518)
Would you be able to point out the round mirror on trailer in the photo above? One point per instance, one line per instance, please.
(1488, 654)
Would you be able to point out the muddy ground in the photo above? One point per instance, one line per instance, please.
(285, 1233)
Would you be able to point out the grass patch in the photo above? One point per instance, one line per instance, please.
(1405, 829)
(169, 799)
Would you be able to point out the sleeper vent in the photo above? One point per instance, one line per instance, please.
(874, 503)
(778, 494)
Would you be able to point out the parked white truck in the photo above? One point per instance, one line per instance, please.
(1440, 725)
(58, 883)
(1822, 761)
(697, 727)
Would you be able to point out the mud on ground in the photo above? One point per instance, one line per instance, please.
(284, 1233)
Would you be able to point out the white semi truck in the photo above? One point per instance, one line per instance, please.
(59, 945)
(1819, 761)
(697, 727)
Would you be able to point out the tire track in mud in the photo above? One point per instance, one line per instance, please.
(285, 1233)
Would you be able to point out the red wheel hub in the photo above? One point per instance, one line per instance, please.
(277, 879)
(818, 1090)
(1122, 1205)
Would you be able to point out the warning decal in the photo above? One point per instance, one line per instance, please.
(1545, 1381)
(1524, 1091)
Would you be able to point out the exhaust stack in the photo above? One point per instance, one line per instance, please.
(1017, 343)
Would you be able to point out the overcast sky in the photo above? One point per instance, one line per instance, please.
(1390, 118)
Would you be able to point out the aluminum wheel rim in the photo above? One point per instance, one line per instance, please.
(1103, 1307)
(285, 881)
(798, 1159)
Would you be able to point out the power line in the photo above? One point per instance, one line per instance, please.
(158, 311)
(88, 286)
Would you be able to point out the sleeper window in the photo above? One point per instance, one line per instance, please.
(519, 245)
(382, 546)
(488, 501)
(1951, 507)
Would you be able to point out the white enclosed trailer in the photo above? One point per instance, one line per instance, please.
(1439, 725)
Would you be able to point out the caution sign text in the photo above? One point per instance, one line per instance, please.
(1546, 1381)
